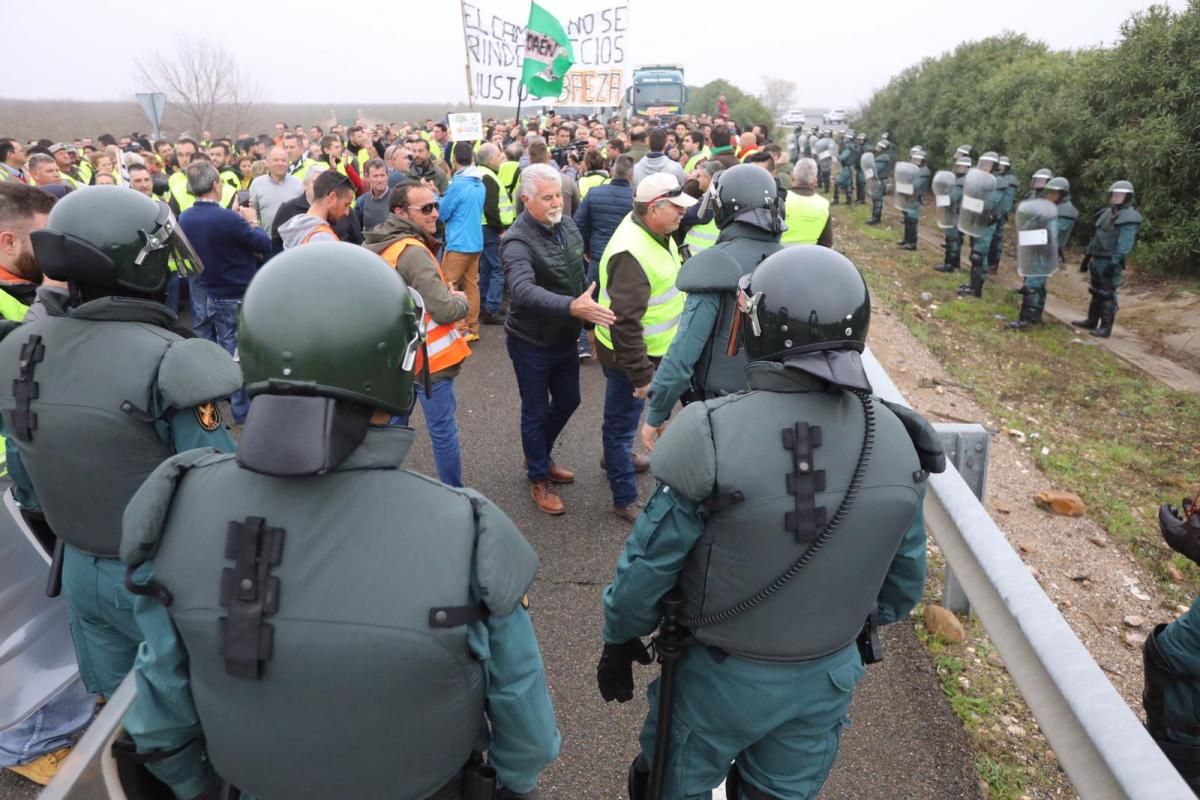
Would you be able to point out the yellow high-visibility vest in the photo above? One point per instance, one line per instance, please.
(661, 266)
(508, 211)
(806, 217)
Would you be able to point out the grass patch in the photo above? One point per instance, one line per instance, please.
(1119, 439)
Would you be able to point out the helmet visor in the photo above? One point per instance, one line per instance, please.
(418, 337)
(168, 235)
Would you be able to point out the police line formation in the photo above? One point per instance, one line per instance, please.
(689, 260)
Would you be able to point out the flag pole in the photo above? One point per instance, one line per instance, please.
(467, 52)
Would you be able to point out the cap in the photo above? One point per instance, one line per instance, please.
(661, 186)
(54, 148)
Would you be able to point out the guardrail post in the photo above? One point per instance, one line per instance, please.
(967, 448)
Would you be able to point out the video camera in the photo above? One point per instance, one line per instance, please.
(574, 151)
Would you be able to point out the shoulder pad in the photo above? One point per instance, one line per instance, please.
(924, 437)
(505, 562)
(195, 371)
(685, 458)
(147, 510)
(1129, 216)
(1067, 210)
(710, 270)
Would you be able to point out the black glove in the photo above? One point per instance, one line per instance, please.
(614, 673)
(1087, 262)
(1183, 536)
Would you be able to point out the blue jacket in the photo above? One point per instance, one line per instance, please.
(600, 214)
(230, 248)
(462, 212)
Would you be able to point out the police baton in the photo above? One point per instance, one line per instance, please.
(670, 644)
(54, 581)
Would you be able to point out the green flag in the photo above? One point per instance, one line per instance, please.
(548, 54)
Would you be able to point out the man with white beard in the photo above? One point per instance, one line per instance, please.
(542, 256)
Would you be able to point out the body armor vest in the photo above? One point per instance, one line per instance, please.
(790, 490)
(342, 685)
(1107, 230)
(76, 400)
(717, 372)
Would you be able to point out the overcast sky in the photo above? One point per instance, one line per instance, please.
(322, 51)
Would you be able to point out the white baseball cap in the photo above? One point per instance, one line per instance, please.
(663, 186)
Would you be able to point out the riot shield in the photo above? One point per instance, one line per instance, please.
(867, 165)
(905, 175)
(974, 217)
(37, 658)
(943, 189)
(1037, 242)
(824, 150)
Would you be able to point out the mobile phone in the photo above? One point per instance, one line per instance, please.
(243, 198)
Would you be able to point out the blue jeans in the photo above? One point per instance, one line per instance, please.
(223, 315)
(202, 323)
(548, 381)
(56, 724)
(622, 412)
(491, 273)
(439, 407)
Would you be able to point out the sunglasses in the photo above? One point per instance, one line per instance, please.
(667, 195)
(428, 208)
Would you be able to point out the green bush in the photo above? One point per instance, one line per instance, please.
(1094, 116)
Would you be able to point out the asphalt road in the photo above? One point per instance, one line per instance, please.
(904, 743)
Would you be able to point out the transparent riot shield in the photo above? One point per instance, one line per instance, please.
(867, 165)
(943, 191)
(974, 217)
(1037, 243)
(824, 151)
(905, 175)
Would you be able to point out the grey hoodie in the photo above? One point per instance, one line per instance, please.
(657, 162)
(295, 229)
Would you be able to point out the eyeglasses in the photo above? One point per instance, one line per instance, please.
(667, 195)
(426, 209)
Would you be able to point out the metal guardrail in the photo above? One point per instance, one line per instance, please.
(1100, 743)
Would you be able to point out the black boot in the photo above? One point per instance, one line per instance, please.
(978, 275)
(1093, 314)
(876, 212)
(639, 778)
(1108, 313)
(1028, 316)
(837, 188)
(947, 265)
(910, 235)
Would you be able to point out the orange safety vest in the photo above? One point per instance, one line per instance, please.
(445, 345)
(322, 228)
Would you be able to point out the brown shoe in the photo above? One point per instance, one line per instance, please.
(561, 474)
(628, 513)
(546, 497)
(641, 463)
(557, 474)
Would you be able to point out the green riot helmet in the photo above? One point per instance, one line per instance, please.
(962, 165)
(861, 138)
(963, 150)
(113, 239)
(1041, 178)
(747, 193)
(1123, 188)
(808, 307)
(1059, 184)
(331, 320)
(991, 158)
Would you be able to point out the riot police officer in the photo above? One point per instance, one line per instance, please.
(845, 178)
(1113, 236)
(102, 389)
(954, 237)
(1033, 289)
(883, 172)
(824, 161)
(768, 687)
(376, 613)
(912, 211)
(705, 357)
(1171, 661)
(1037, 183)
(860, 180)
(981, 243)
(1007, 184)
